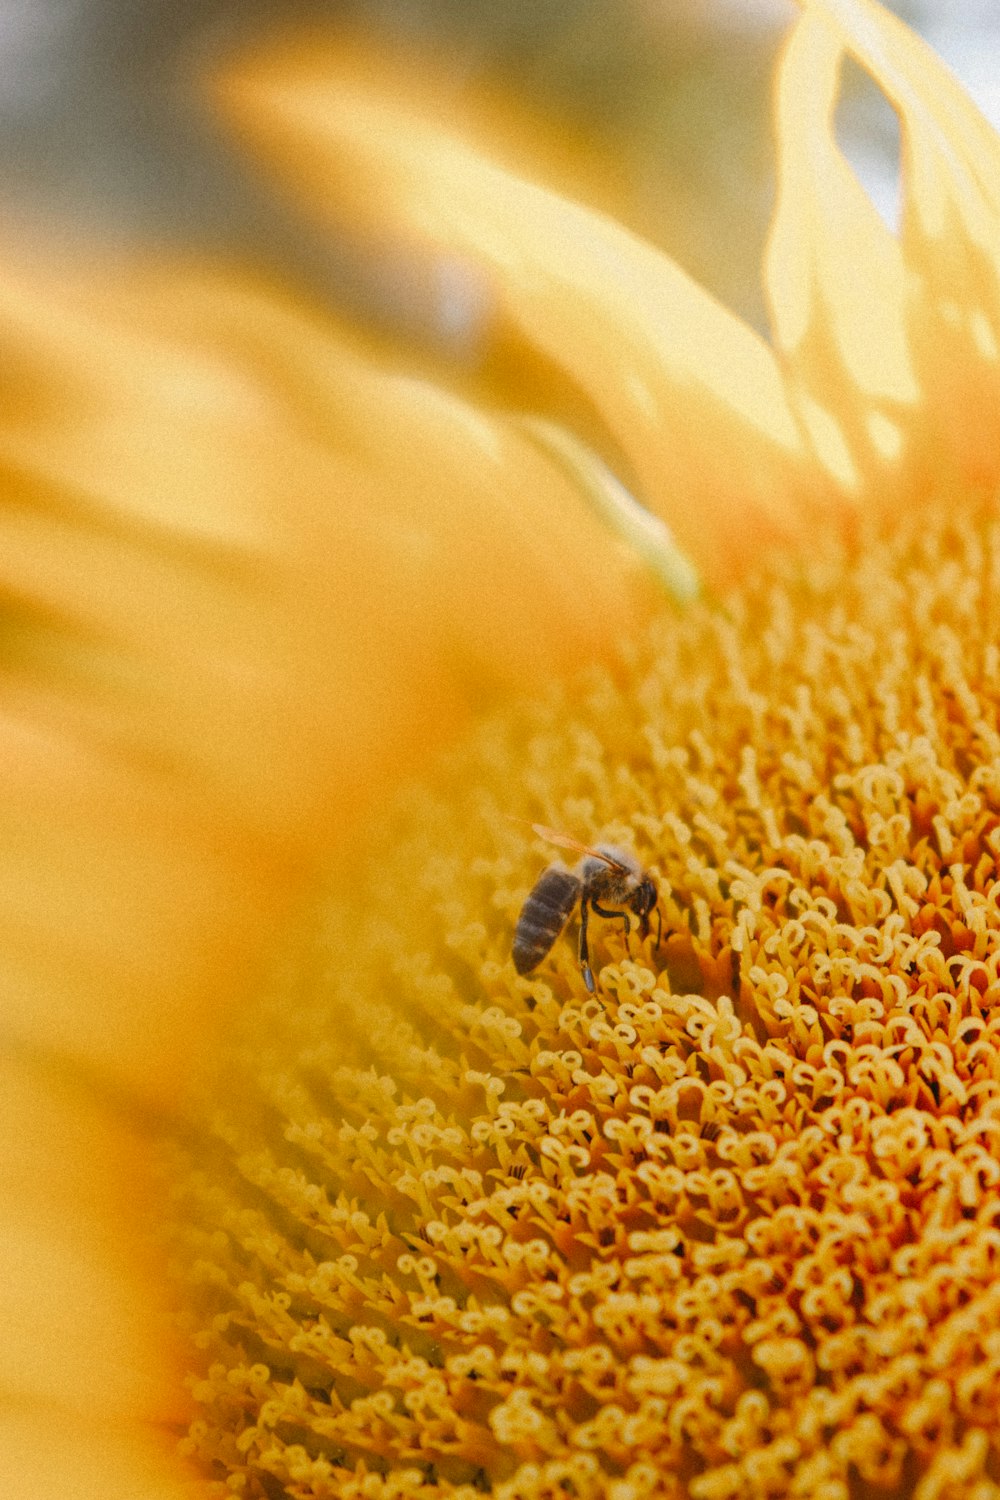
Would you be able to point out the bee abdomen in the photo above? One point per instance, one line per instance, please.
(543, 916)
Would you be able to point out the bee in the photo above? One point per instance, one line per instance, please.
(604, 876)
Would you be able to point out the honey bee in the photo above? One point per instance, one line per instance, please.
(604, 876)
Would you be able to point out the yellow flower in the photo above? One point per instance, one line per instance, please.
(224, 580)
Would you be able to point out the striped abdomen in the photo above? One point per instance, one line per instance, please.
(544, 915)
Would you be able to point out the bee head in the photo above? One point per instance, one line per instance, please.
(642, 902)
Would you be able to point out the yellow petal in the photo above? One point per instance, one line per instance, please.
(835, 274)
(694, 399)
(45, 1455)
(245, 574)
(91, 1394)
(893, 341)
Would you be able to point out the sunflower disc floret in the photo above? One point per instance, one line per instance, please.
(731, 1226)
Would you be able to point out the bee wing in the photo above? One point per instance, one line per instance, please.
(563, 841)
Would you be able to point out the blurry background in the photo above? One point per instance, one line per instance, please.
(101, 134)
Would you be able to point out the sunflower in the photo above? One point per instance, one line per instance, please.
(726, 1226)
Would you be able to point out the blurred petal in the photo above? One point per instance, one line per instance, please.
(892, 344)
(844, 332)
(693, 397)
(46, 1455)
(245, 574)
(91, 1398)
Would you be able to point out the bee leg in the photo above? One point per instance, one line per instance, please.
(659, 927)
(626, 922)
(588, 977)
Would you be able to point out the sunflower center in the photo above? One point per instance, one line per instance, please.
(727, 1226)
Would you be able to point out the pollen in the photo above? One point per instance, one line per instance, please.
(727, 1227)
